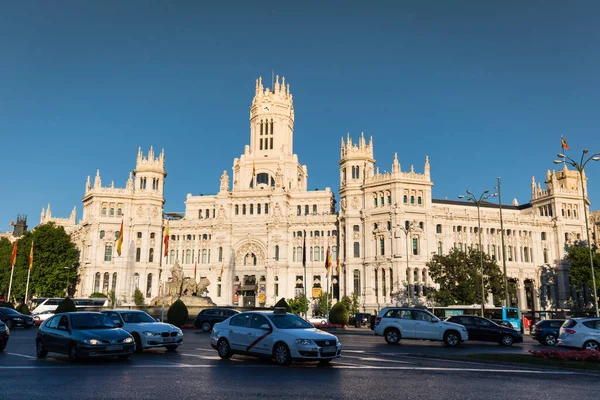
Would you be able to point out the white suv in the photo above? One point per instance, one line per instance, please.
(582, 333)
(395, 323)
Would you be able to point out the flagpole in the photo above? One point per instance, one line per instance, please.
(304, 283)
(27, 287)
(12, 270)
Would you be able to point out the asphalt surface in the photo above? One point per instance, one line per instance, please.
(368, 369)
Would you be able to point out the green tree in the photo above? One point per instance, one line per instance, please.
(138, 298)
(97, 295)
(352, 304)
(298, 305)
(55, 263)
(458, 275)
(323, 303)
(581, 272)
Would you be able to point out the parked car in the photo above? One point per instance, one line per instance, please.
(359, 320)
(207, 318)
(485, 330)
(4, 334)
(14, 318)
(83, 334)
(38, 318)
(277, 334)
(408, 323)
(503, 322)
(582, 333)
(146, 331)
(546, 331)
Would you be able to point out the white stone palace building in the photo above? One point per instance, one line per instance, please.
(247, 239)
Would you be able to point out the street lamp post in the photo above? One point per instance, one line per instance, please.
(478, 201)
(506, 300)
(407, 230)
(580, 166)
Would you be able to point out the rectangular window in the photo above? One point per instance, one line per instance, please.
(218, 290)
(276, 289)
(108, 252)
(545, 256)
(382, 246)
(440, 250)
(526, 254)
(389, 199)
(356, 250)
(376, 285)
(357, 282)
(510, 253)
(299, 210)
(415, 247)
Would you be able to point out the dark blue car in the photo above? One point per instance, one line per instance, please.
(546, 331)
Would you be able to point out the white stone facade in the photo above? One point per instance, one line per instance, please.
(247, 239)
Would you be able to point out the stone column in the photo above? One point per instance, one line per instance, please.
(521, 295)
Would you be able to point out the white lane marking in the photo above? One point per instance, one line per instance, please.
(22, 355)
(333, 366)
(377, 359)
(201, 349)
(353, 351)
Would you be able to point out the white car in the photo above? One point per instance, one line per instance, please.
(394, 323)
(146, 331)
(38, 318)
(281, 336)
(582, 333)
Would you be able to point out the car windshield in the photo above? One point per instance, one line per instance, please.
(136, 317)
(289, 321)
(91, 321)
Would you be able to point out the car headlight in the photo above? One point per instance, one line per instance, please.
(92, 341)
(128, 340)
(179, 332)
(305, 342)
(151, 333)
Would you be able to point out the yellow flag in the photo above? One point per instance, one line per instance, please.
(120, 240)
(31, 256)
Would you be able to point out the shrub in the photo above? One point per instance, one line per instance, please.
(178, 313)
(138, 297)
(66, 305)
(338, 314)
(98, 295)
(283, 303)
(298, 305)
(23, 309)
(572, 355)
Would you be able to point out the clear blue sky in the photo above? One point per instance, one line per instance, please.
(484, 88)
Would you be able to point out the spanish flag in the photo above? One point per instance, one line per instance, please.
(31, 257)
(564, 144)
(328, 261)
(166, 240)
(253, 169)
(120, 240)
(13, 256)
(221, 274)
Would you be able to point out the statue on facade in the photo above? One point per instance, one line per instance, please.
(224, 182)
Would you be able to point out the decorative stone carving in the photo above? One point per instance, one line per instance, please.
(247, 250)
(355, 203)
(224, 182)
(180, 287)
(140, 211)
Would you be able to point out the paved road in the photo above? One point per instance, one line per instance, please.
(368, 369)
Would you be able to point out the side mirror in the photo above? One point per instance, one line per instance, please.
(435, 321)
(157, 319)
(119, 324)
(265, 327)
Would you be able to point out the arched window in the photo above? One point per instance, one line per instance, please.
(119, 212)
(102, 233)
(243, 209)
(97, 282)
(306, 209)
(114, 282)
(138, 254)
(237, 209)
(438, 228)
(299, 255)
(172, 257)
(276, 252)
(105, 283)
(136, 281)
(111, 212)
(266, 208)
(314, 209)
(264, 178)
(356, 228)
(258, 208)
(294, 254)
(251, 208)
(299, 210)
(116, 235)
(412, 199)
(405, 199)
(419, 200)
(151, 255)
(421, 225)
(188, 255)
(104, 212)
(149, 286)
(220, 254)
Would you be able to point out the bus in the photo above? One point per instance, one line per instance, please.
(40, 305)
(510, 314)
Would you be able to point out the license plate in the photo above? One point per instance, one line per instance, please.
(329, 349)
(113, 348)
(168, 339)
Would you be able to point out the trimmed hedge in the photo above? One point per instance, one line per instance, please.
(66, 305)
(97, 295)
(177, 314)
(338, 314)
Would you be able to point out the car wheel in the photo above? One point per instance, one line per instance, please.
(507, 340)
(224, 349)
(206, 327)
(2, 344)
(138, 343)
(550, 340)
(392, 335)
(40, 350)
(281, 354)
(591, 345)
(172, 347)
(451, 339)
(357, 324)
(73, 354)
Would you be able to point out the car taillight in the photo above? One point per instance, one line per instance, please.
(377, 320)
(570, 331)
